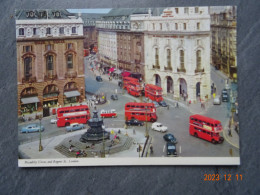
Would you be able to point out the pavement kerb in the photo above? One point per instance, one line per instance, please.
(225, 135)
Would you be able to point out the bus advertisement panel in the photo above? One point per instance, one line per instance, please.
(206, 128)
(141, 114)
(153, 92)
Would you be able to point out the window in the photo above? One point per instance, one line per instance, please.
(156, 57)
(198, 57)
(73, 29)
(196, 9)
(34, 31)
(160, 26)
(21, 31)
(27, 48)
(176, 26)
(181, 59)
(70, 46)
(186, 10)
(184, 26)
(49, 63)
(49, 47)
(61, 30)
(177, 10)
(168, 58)
(48, 31)
(198, 26)
(153, 26)
(28, 67)
(70, 61)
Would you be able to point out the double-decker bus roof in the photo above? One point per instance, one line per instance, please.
(130, 79)
(205, 118)
(153, 86)
(140, 103)
(72, 107)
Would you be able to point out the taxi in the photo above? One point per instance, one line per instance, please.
(108, 113)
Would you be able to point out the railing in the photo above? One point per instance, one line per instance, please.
(28, 79)
(71, 74)
(168, 68)
(181, 70)
(50, 77)
(199, 70)
(156, 67)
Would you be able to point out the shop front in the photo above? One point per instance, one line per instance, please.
(71, 97)
(29, 104)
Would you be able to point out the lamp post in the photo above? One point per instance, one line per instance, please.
(146, 129)
(40, 143)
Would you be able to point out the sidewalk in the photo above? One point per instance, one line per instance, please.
(234, 138)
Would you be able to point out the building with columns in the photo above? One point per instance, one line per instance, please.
(50, 66)
(177, 50)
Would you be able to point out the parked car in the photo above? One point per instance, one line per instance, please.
(224, 95)
(53, 121)
(32, 128)
(216, 100)
(134, 122)
(114, 97)
(163, 103)
(171, 149)
(156, 104)
(108, 113)
(75, 126)
(99, 79)
(159, 127)
(170, 138)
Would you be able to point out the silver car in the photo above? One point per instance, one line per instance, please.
(216, 100)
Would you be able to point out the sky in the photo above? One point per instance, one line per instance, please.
(89, 10)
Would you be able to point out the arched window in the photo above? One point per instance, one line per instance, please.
(168, 58)
(70, 61)
(156, 57)
(198, 59)
(49, 65)
(182, 59)
(27, 67)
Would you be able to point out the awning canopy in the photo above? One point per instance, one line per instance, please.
(111, 69)
(30, 100)
(69, 94)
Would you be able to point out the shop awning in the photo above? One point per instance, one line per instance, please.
(111, 69)
(118, 72)
(30, 100)
(69, 94)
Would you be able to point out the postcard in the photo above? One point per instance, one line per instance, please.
(127, 86)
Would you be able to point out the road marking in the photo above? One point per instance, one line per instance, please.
(163, 148)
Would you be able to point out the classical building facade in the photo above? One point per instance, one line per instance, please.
(177, 50)
(224, 51)
(50, 67)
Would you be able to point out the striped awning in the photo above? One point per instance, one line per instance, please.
(69, 94)
(30, 100)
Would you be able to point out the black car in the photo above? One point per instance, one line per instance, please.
(170, 138)
(99, 79)
(114, 97)
(134, 122)
(163, 104)
(171, 149)
(224, 95)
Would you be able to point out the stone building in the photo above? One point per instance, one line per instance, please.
(224, 51)
(50, 67)
(177, 50)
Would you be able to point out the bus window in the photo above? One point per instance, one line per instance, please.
(77, 110)
(77, 117)
(66, 111)
(83, 117)
(61, 111)
(192, 118)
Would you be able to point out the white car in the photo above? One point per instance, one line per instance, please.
(216, 100)
(159, 127)
(53, 121)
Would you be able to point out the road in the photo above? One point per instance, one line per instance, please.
(176, 119)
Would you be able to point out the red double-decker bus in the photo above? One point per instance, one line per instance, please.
(206, 128)
(64, 110)
(72, 117)
(141, 114)
(140, 105)
(134, 88)
(126, 80)
(72, 114)
(153, 92)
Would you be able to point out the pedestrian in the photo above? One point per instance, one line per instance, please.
(168, 107)
(177, 105)
(229, 132)
(201, 104)
(134, 131)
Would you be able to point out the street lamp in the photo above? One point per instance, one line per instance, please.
(40, 143)
(146, 129)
